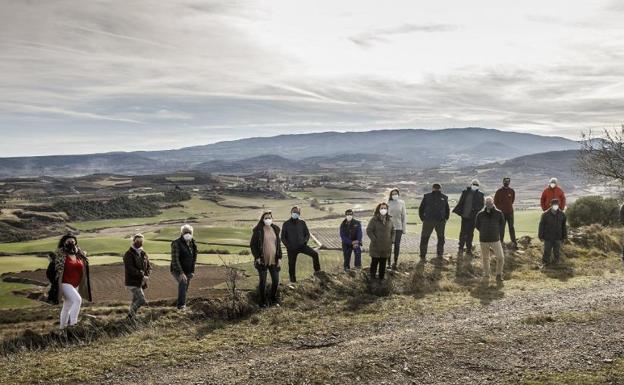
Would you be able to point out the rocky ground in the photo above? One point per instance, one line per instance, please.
(508, 341)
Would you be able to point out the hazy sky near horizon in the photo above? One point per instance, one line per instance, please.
(94, 76)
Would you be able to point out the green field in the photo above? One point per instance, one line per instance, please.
(224, 227)
(10, 301)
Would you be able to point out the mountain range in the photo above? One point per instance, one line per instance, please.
(415, 148)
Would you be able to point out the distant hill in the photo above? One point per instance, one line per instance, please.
(416, 148)
(531, 171)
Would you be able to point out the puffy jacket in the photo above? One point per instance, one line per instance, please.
(381, 234)
(183, 256)
(490, 223)
(478, 201)
(504, 199)
(295, 233)
(553, 193)
(137, 266)
(257, 241)
(552, 226)
(351, 231)
(398, 214)
(434, 207)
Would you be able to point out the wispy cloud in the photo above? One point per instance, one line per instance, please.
(368, 38)
(96, 71)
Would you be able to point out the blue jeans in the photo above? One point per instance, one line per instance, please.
(347, 250)
(183, 289)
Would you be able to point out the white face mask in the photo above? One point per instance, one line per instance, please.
(268, 221)
(349, 217)
(187, 237)
(474, 188)
(553, 185)
(383, 211)
(395, 197)
(555, 207)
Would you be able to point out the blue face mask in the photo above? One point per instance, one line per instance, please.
(294, 215)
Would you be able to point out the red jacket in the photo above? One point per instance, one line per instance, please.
(504, 199)
(553, 193)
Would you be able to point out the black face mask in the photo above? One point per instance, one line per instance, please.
(506, 184)
(70, 248)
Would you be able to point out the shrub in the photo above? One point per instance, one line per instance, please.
(593, 210)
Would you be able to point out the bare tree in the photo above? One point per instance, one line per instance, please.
(603, 157)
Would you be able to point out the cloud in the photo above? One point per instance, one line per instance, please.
(217, 70)
(369, 38)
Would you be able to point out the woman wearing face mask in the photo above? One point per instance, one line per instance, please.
(72, 275)
(398, 215)
(380, 231)
(267, 252)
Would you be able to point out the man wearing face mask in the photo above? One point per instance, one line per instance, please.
(137, 271)
(552, 231)
(295, 236)
(553, 191)
(489, 223)
(183, 258)
(504, 200)
(433, 212)
(351, 235)
(469, 205)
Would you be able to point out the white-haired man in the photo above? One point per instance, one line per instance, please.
(137, 271)
(183, 258)
(489, 222)
(469, 205)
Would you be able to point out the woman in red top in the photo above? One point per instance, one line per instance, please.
(72, 274)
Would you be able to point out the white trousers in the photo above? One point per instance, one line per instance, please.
(71, 305)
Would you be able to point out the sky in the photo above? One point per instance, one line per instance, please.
(95, 76)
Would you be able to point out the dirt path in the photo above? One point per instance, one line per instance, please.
(573, 329)
(107, 282)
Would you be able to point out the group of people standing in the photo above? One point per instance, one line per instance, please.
(68, 270)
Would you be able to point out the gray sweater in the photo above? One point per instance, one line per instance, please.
(398, 214)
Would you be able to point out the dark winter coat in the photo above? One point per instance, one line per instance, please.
(183, 256)
(295, 233)
(84, 288)
(137, 266)
(257, 241)
(552, 226)
(478, 201)
(490, 223)
(351, 231)
(51, 275)
(434, 207)
(381, 235)
(622, 214)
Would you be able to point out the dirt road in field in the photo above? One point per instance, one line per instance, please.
(107, 282)
(502, 342)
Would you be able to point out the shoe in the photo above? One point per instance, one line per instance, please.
(394, 266)
(182, 309)
(499, 278)
(514, 245)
